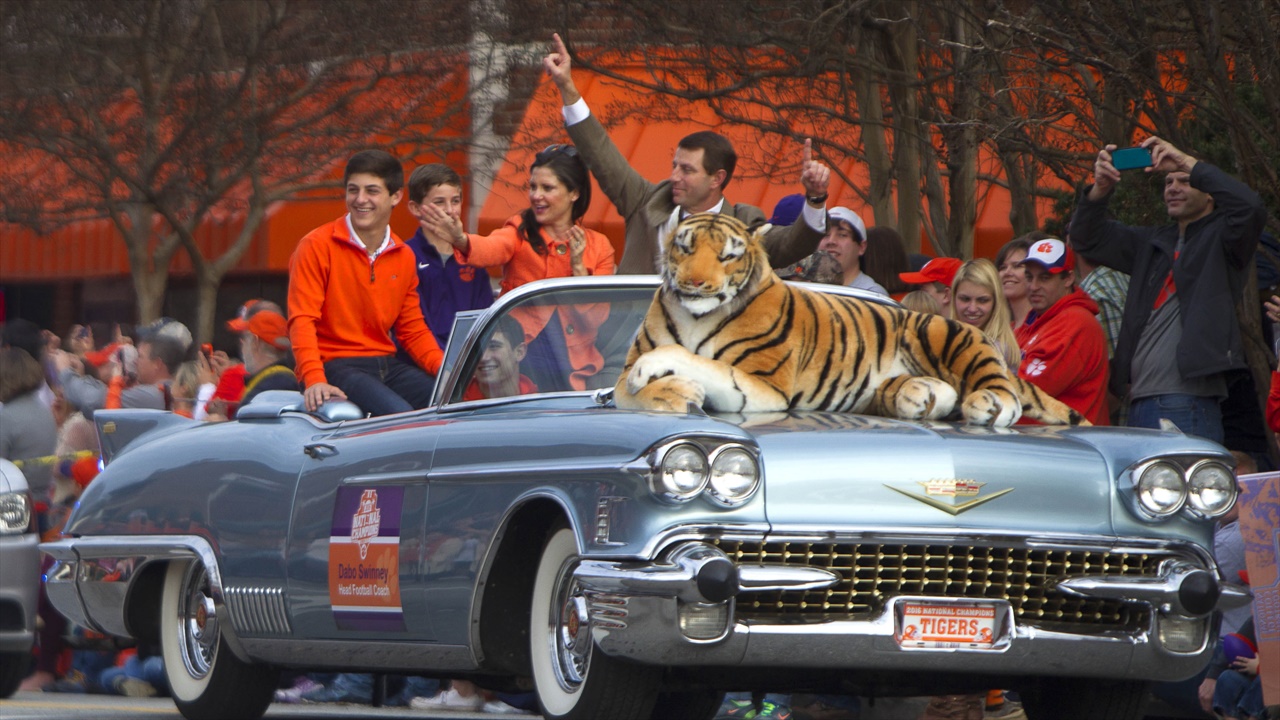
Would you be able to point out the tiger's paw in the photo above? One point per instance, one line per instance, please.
(924, 398)
(660, 362)
(984, 407)
(672, 393)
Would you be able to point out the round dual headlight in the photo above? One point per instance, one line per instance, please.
(682, 473)
(1211, 489)
(1161, 488)
(735, 475)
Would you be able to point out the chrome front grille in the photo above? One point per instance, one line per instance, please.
(872, 573)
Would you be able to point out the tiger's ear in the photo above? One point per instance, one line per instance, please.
(759, 232)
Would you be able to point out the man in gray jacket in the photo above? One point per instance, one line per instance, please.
(703, 165)
(1179, 334)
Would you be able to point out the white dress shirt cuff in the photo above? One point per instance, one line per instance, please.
(576, 113)
(816, 217)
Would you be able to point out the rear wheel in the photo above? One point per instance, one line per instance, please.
(574, 680)
(1094, 698)
(206, 680)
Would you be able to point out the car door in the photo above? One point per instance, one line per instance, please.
(357, 532)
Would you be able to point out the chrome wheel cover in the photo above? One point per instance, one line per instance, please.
(570, 627)
(197, 623)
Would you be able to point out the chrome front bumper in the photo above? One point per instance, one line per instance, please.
(637, 611)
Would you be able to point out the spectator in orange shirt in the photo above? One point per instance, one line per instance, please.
(352, 284)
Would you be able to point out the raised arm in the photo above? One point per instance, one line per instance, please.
(625, 188)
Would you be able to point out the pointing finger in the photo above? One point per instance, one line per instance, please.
(808, 151)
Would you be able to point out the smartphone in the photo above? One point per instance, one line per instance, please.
(1131, 158)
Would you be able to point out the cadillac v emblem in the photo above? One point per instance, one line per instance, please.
(951, 495)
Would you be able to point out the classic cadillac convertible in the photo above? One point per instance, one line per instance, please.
(637, 564)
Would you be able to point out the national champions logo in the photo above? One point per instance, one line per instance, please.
(366, 521)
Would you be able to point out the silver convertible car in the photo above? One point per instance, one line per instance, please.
(631, 564)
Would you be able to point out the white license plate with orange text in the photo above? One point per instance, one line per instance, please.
(947, 625)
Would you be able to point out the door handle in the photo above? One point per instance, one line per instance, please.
(320, 451)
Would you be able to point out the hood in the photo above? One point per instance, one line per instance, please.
(850, 473)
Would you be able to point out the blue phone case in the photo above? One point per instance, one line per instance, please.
(1131, 158)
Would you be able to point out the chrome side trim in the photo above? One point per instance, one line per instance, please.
(258, 610)
(346, 654)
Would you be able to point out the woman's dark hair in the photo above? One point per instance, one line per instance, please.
(1022, 242)
(563, 161)
(19, 374)
(885, 258)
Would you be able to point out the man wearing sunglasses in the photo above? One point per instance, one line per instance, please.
(700, 170)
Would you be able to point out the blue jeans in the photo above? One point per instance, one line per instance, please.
(381, 385)
(1194, 415)
(148, 669)
(1239, 695)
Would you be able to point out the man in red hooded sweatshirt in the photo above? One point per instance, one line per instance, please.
(1064, 350)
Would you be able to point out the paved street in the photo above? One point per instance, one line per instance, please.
(40, 706)
(43, 706)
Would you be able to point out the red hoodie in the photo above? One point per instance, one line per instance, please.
(1064, 353)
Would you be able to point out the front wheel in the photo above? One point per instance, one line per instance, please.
(206, 680)
(574, 679)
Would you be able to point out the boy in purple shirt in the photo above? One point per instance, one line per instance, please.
(445, 286)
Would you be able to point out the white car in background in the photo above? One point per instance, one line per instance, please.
(20, 581)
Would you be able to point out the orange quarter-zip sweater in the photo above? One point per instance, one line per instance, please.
(343, 305)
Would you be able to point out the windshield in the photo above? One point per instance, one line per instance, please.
(571, 339)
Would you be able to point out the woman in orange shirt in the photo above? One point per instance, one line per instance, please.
(546, 241)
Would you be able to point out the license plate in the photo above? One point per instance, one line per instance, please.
(947, 625)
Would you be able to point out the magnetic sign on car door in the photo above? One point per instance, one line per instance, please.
(364, 559)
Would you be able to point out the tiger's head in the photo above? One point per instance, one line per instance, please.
(712, 260)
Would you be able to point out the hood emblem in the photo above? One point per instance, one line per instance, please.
(952, 492)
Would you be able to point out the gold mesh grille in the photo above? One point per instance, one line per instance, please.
(871, 573)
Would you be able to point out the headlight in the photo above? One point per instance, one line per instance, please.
(682, 473)
(1161, 488)
(15, 513)
(1211, 488)
(735, 475)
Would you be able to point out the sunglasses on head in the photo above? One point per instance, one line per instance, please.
(551, 151)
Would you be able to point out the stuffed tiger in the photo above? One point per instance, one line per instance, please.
(725, 333)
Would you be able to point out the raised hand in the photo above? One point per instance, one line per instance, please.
(1105, 175)
(559, 67)
(814, 176)
(1167, 158)
(442, 227)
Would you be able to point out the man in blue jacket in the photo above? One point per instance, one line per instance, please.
(1179, 334)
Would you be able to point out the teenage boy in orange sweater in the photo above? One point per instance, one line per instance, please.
(352, 285)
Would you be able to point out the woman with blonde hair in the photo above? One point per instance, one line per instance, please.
(977, 299)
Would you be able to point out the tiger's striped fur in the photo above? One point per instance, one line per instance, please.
(725, 333)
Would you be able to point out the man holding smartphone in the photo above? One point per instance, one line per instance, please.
(1179, 334)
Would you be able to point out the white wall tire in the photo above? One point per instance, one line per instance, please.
(206, 680)
(574, 680)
